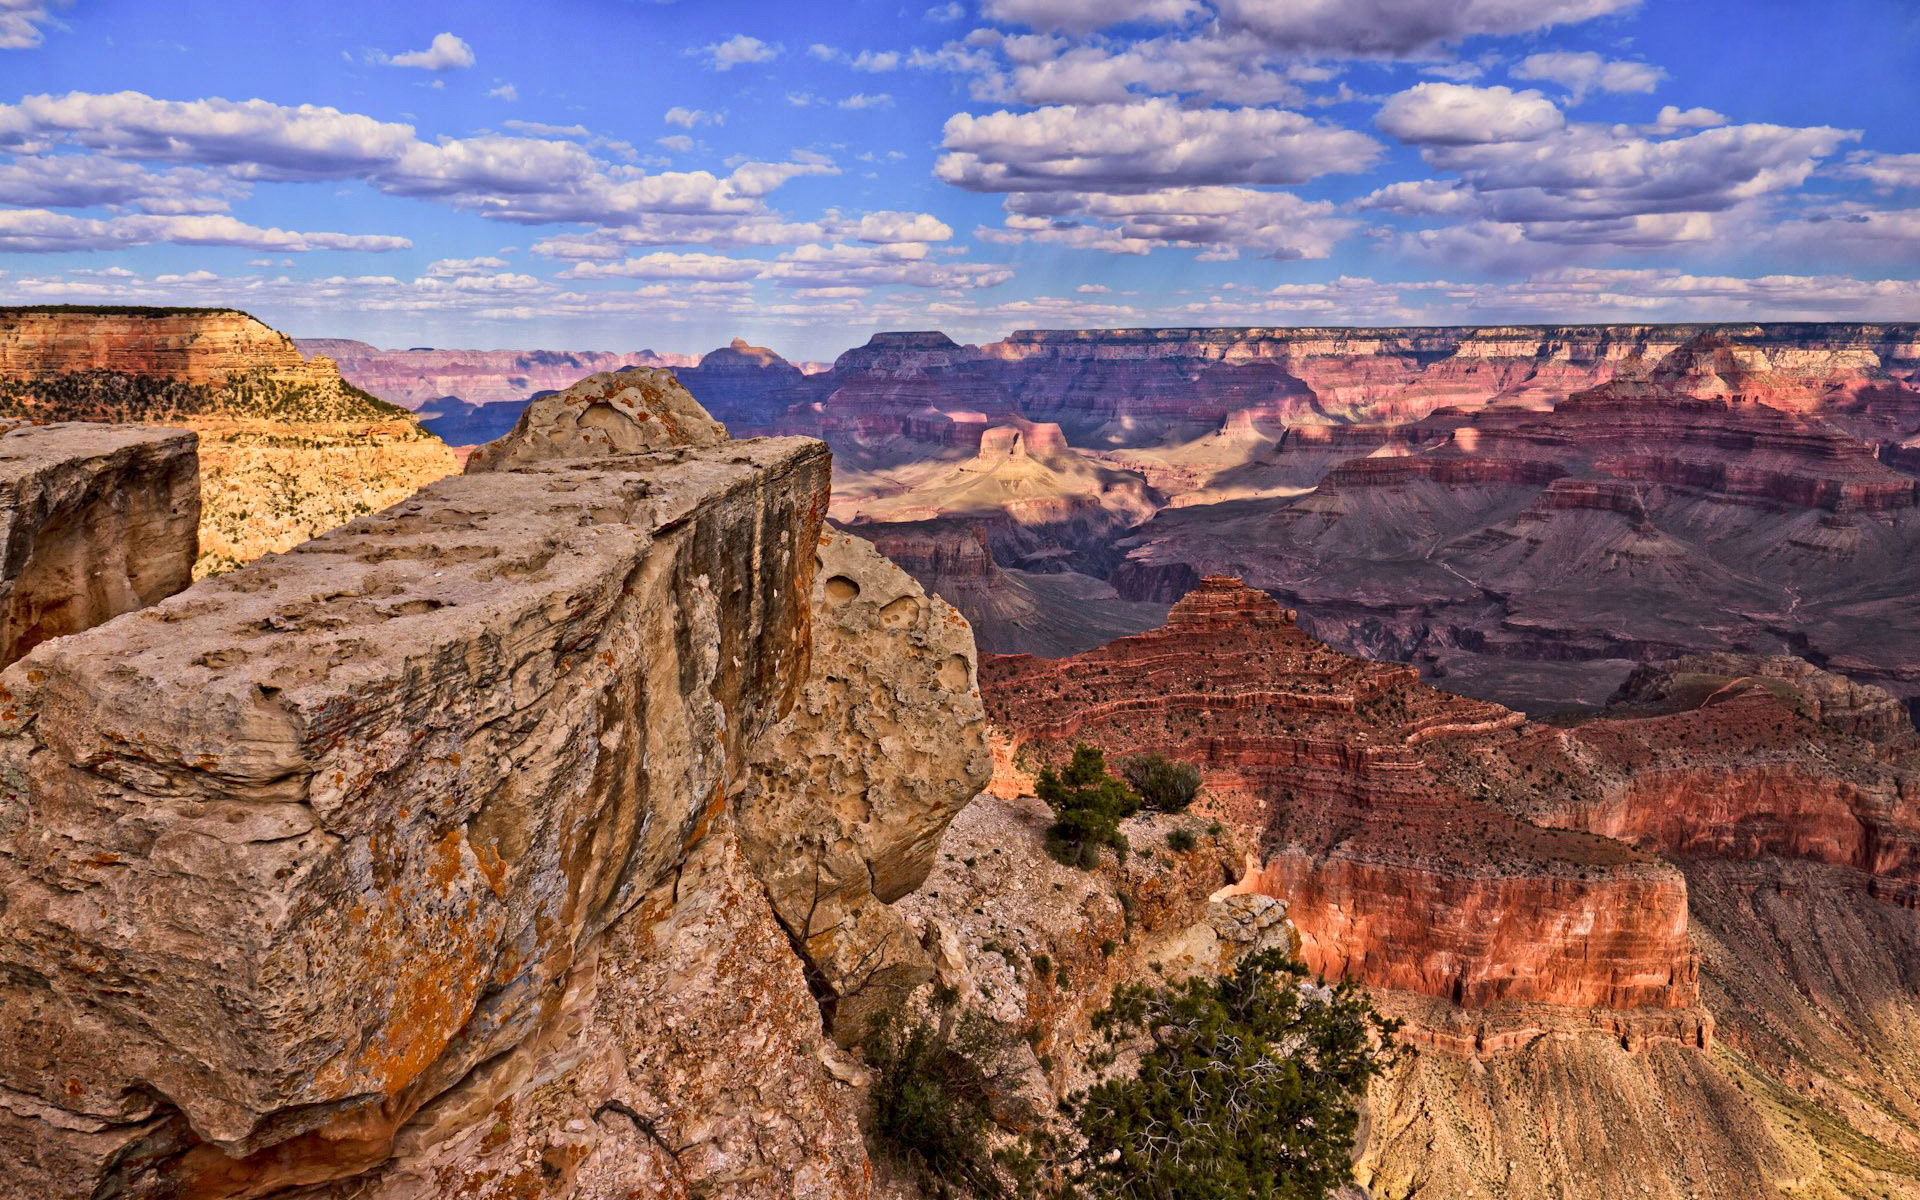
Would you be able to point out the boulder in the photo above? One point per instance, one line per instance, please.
(619, 412)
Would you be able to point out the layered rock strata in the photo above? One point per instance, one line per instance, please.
(417, 377)
(95, 521)
(1395, 877)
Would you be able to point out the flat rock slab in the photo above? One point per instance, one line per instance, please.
(286, 856)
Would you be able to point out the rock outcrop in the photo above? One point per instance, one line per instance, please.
(95, 521)
(195, 346)
(621, 412)
(846, 799)
(520, 839)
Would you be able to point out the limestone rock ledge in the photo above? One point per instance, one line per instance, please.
(95, 521)
(848, 797)
(292, 854)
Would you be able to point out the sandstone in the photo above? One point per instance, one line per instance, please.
(288, 855)
(848, 796)
(621, 412)
(95, 521)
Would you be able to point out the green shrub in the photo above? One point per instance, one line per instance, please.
(1181, 840)
(1088, 805)
(933, 1084)
(1247, 1088)
(1161, 783)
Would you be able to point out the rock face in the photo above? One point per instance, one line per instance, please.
(204, 346)
(846, 799)
(95, 521)
(621, 412)
(416, 378)
(347, 817)
(287, 449)
(747, 387)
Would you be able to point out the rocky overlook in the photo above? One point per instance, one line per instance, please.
(1647, 902)
(553, 832)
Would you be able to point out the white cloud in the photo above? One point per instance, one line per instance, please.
(1457, 114)
(738, 50)
(1083, 16)
(445, 53)
(693, 118)
(905, 263)
(1883, 170)
(1233, 70)
(866, 100)
(21, 22)
(679, 143)
(1220, 222)
(714, 268)
(1422, 197)
(1144, 145)
(1672, 119)
(876, 61)
(953, 10)
(36, 230)
(1584, 71)
(887, 226)
(518, 179)
(454, 268)
(1399, 28)
(91, 180)
(1093, 289)
(505, 91)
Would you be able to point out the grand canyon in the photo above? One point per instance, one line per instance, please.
(962, 600)
(1577, 838)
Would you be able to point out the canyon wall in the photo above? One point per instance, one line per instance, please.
(206, 346)
(417, 377)
(95, 521)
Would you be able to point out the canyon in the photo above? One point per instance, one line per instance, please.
(555, 828)
(1523, 512)
(1699, 902)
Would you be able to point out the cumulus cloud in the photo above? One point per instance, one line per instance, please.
(951, 11)
(1229, 69)
(738, 50)
(888, 226)
(1422, 197)
(1082, 16)
(680, 143)
(867, 100)
(1595, 173)
(1584, 71)
(1142, 146)
(22, 22)
(1458, 114)
(505, 91)
(1220, 222)
(445, 53)
(453, 268)
(1399, 28)
(37, 230)
(902, 263)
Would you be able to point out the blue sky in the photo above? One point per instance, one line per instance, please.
(619, 174)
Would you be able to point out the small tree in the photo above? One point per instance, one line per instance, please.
(1162, 784)
(1088, 805)
(933, 1089)
(1247, 1088)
